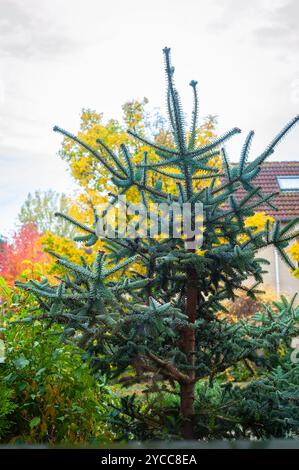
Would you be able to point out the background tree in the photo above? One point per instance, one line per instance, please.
(40, 208)
(2, 241)
(23, 254)
(92, 177)
(165, 316)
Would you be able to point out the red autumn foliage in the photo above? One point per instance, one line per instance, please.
(24, 250)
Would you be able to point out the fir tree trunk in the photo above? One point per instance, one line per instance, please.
(188, 347)
(187, 410)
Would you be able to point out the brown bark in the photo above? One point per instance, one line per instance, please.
(188, 347)
(187, 409)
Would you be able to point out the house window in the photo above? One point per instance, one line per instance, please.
(288, 183)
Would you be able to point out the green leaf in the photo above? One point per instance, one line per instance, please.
(21, 362)
(22, 386)
(40, 371)
(34, 422)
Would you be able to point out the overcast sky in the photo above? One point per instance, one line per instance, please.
(57, 56)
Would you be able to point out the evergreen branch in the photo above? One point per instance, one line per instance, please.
(206, 148)
(113, 200)
(98, 266)
(89, 149)
(154, 191)
(55, 255)
(85, 273)
(182, 177)
(114, 157)
(282, 133)
(174, 100)
(290, 225)
(284, 256)
(75, 222)
(248, 208)
(207, 156)
(169, 175)
(130, 285)
(152, 144)
(119, 266)
(171, 117)
(259, 160)
(225, 163)
(126, 246)
(50, 295)
(294, 235)
(144, 162)
(245, 151)
(201, 166)
(171, 161)
(128, 161)
(183, 196)
(192, 137)
(170, 368)
(250, 195)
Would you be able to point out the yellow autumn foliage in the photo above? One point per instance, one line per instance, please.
(66, 248)
(294, 252)
(94, 180)
(257, 222)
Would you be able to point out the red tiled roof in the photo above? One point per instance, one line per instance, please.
(287, 202)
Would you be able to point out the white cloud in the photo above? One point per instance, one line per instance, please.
(57, 56)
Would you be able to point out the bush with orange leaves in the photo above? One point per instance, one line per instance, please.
(245, 307)
(23, 256)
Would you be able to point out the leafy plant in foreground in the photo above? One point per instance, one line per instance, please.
(47, 393)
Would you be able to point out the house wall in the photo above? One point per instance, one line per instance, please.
(286, 283)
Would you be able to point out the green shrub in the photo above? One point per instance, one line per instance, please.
(47, 393)
(6, 408)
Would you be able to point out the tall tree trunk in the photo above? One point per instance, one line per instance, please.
(187, 410)
(188, 347)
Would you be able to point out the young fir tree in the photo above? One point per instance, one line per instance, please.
(163, 318)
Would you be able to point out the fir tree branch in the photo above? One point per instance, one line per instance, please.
(174, 101)
(170, 368)
(75, 222)
(152, 144)
(192, 137)
(91, 150)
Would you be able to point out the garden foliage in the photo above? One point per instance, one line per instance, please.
(47, 393)
(152, 304)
